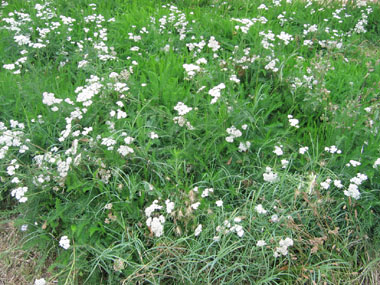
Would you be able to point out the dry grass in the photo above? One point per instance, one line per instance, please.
(16, 265)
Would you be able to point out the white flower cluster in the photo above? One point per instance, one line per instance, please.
(182, 110)
(156, 224)
(333, 149)
(19, 194)
(207, 192)
(191, 70)
(244, 146)
(353, 163)
(198, 230)
(269, 175)
(326, 184)
(215, 92)
(285, 37)
(278, 150)
(303, 149)
(85, 93)
(260, 209)
(169, 206)
(64, 242)
(293, 122)
(376, 163)
(12, 138)
(282, 249)
(227, 228)
(40, 281)
(213, 44)
(233, 134)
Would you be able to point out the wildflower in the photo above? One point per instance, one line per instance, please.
(156, 225)
(125, 150)
(41, 281)
(24, 228)
(216, 238)
(64, 242)
(278, 151)
(352, 191)
(376, 163)
(213, 44)
(198, 230)
(304, 149)
(195, 205)
(182, 109)
(353, 163)
(243, 147)
(326, 184)
(284, 163)
(338, 184)
(206, 192)
(261, 243)
(169, 206)
(274, 218)
(153, 135)
(215, 92)
(293, 122)
(149, 210)
(260, 209)
(219, 203)
(234, 133)
(269, 175)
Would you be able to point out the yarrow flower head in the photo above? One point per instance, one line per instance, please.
(233, 133)
(269, 175)
(182, 109)
(293, 122)
(260, 209)
(64, 242)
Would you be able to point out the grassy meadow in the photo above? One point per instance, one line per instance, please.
(190, 142)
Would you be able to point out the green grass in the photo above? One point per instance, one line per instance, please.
(330, 86)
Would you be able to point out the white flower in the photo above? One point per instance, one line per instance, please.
(149, 210)
(260, 209)
(9, 66)
(352, 191)
(219, 203)
(243, 147)
(182, 109)
(354, 163)
(169, 206)
(293, 122)
(153, 135)
(326, 184)
(125, 150)
(261, 243)
(41, 281)
(156, 225)
(234, 133)
(215, 92)
(269, 175)
(198, 230)
(274, 218)
(304, 149)
(24, 228)
(195, 205)
(213, 44)
(216, 238)
(284, 163)
(64, 242)
(278, 151)
(338, 184)
(206, 192)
